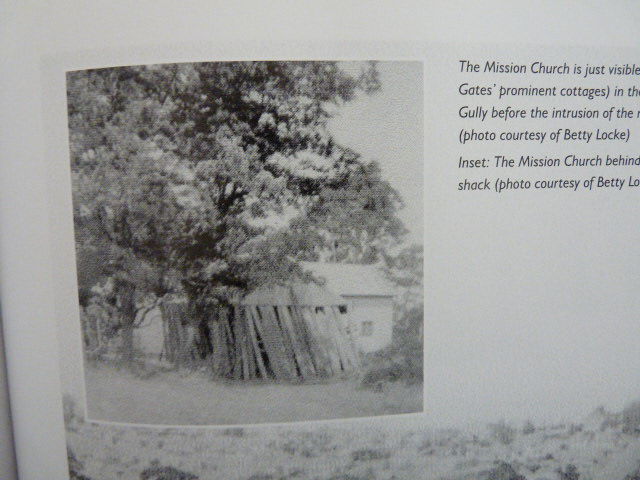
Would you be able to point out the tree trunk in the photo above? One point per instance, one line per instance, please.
(127, 308)
(128, 355)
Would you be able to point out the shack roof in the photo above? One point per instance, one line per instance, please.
(350, 280)
(309, 294)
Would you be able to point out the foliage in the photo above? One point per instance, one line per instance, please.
(504, 471)
(528, 428)
(408, 329)
(309, 445)
(69, 409)
(75, 467)
(406, 270)
(631, 418)
(159, 472)
(182, 172)
(633, 475)
(403, 359)
(569, 473)
(503, 433)
(369, 454)
(354, 220)
(187, 156)
(174, 162)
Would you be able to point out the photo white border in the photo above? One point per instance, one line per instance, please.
(61, 227)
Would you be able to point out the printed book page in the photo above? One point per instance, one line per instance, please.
(324, 259)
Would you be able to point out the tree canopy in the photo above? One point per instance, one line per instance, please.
(211, 178)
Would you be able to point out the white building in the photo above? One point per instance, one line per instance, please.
(368, 297)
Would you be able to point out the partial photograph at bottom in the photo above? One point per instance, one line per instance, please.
(603, 446)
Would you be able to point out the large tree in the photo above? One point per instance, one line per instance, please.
(182, 174)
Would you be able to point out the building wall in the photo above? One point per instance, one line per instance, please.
(149, 338)
(372, 321)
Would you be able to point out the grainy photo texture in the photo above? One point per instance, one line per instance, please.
(249, 240)
(249, 250)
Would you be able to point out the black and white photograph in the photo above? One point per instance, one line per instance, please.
(249, 240)
(282, 241)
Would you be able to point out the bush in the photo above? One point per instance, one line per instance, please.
(391, 372)
(309, 445)
(569, 473)
(633, 476)
(369, 454)
(157, 472)
(504, 471)
(68, 409)
(403, 359)
(631, 418)
(528, 428)
(75, 467)
(503, 433)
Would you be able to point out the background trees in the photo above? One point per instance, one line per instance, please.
(207, 179)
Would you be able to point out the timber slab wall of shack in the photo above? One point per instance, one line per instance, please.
(293, 333)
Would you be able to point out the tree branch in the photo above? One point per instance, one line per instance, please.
(144, 311)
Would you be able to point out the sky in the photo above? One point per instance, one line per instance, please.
(388, 127)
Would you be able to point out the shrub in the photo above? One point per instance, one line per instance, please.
(389, 372)
(370, 454)
(631, 418)
(403, 359)
(575, 428)
(349, 476)
(234, 432)
(504, 471)
(569, 473)
(528, 428)
(75, 467)
(68, 409)
(503, 433)
(633, 476)
(157, 472)
(309, 445)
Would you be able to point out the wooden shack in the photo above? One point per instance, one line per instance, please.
(290, 333)
(296, 332)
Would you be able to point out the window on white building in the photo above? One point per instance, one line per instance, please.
(367, 328)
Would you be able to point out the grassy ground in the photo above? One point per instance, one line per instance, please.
(171, 398)
(312, 452)
(400, 448)
(604, 446)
